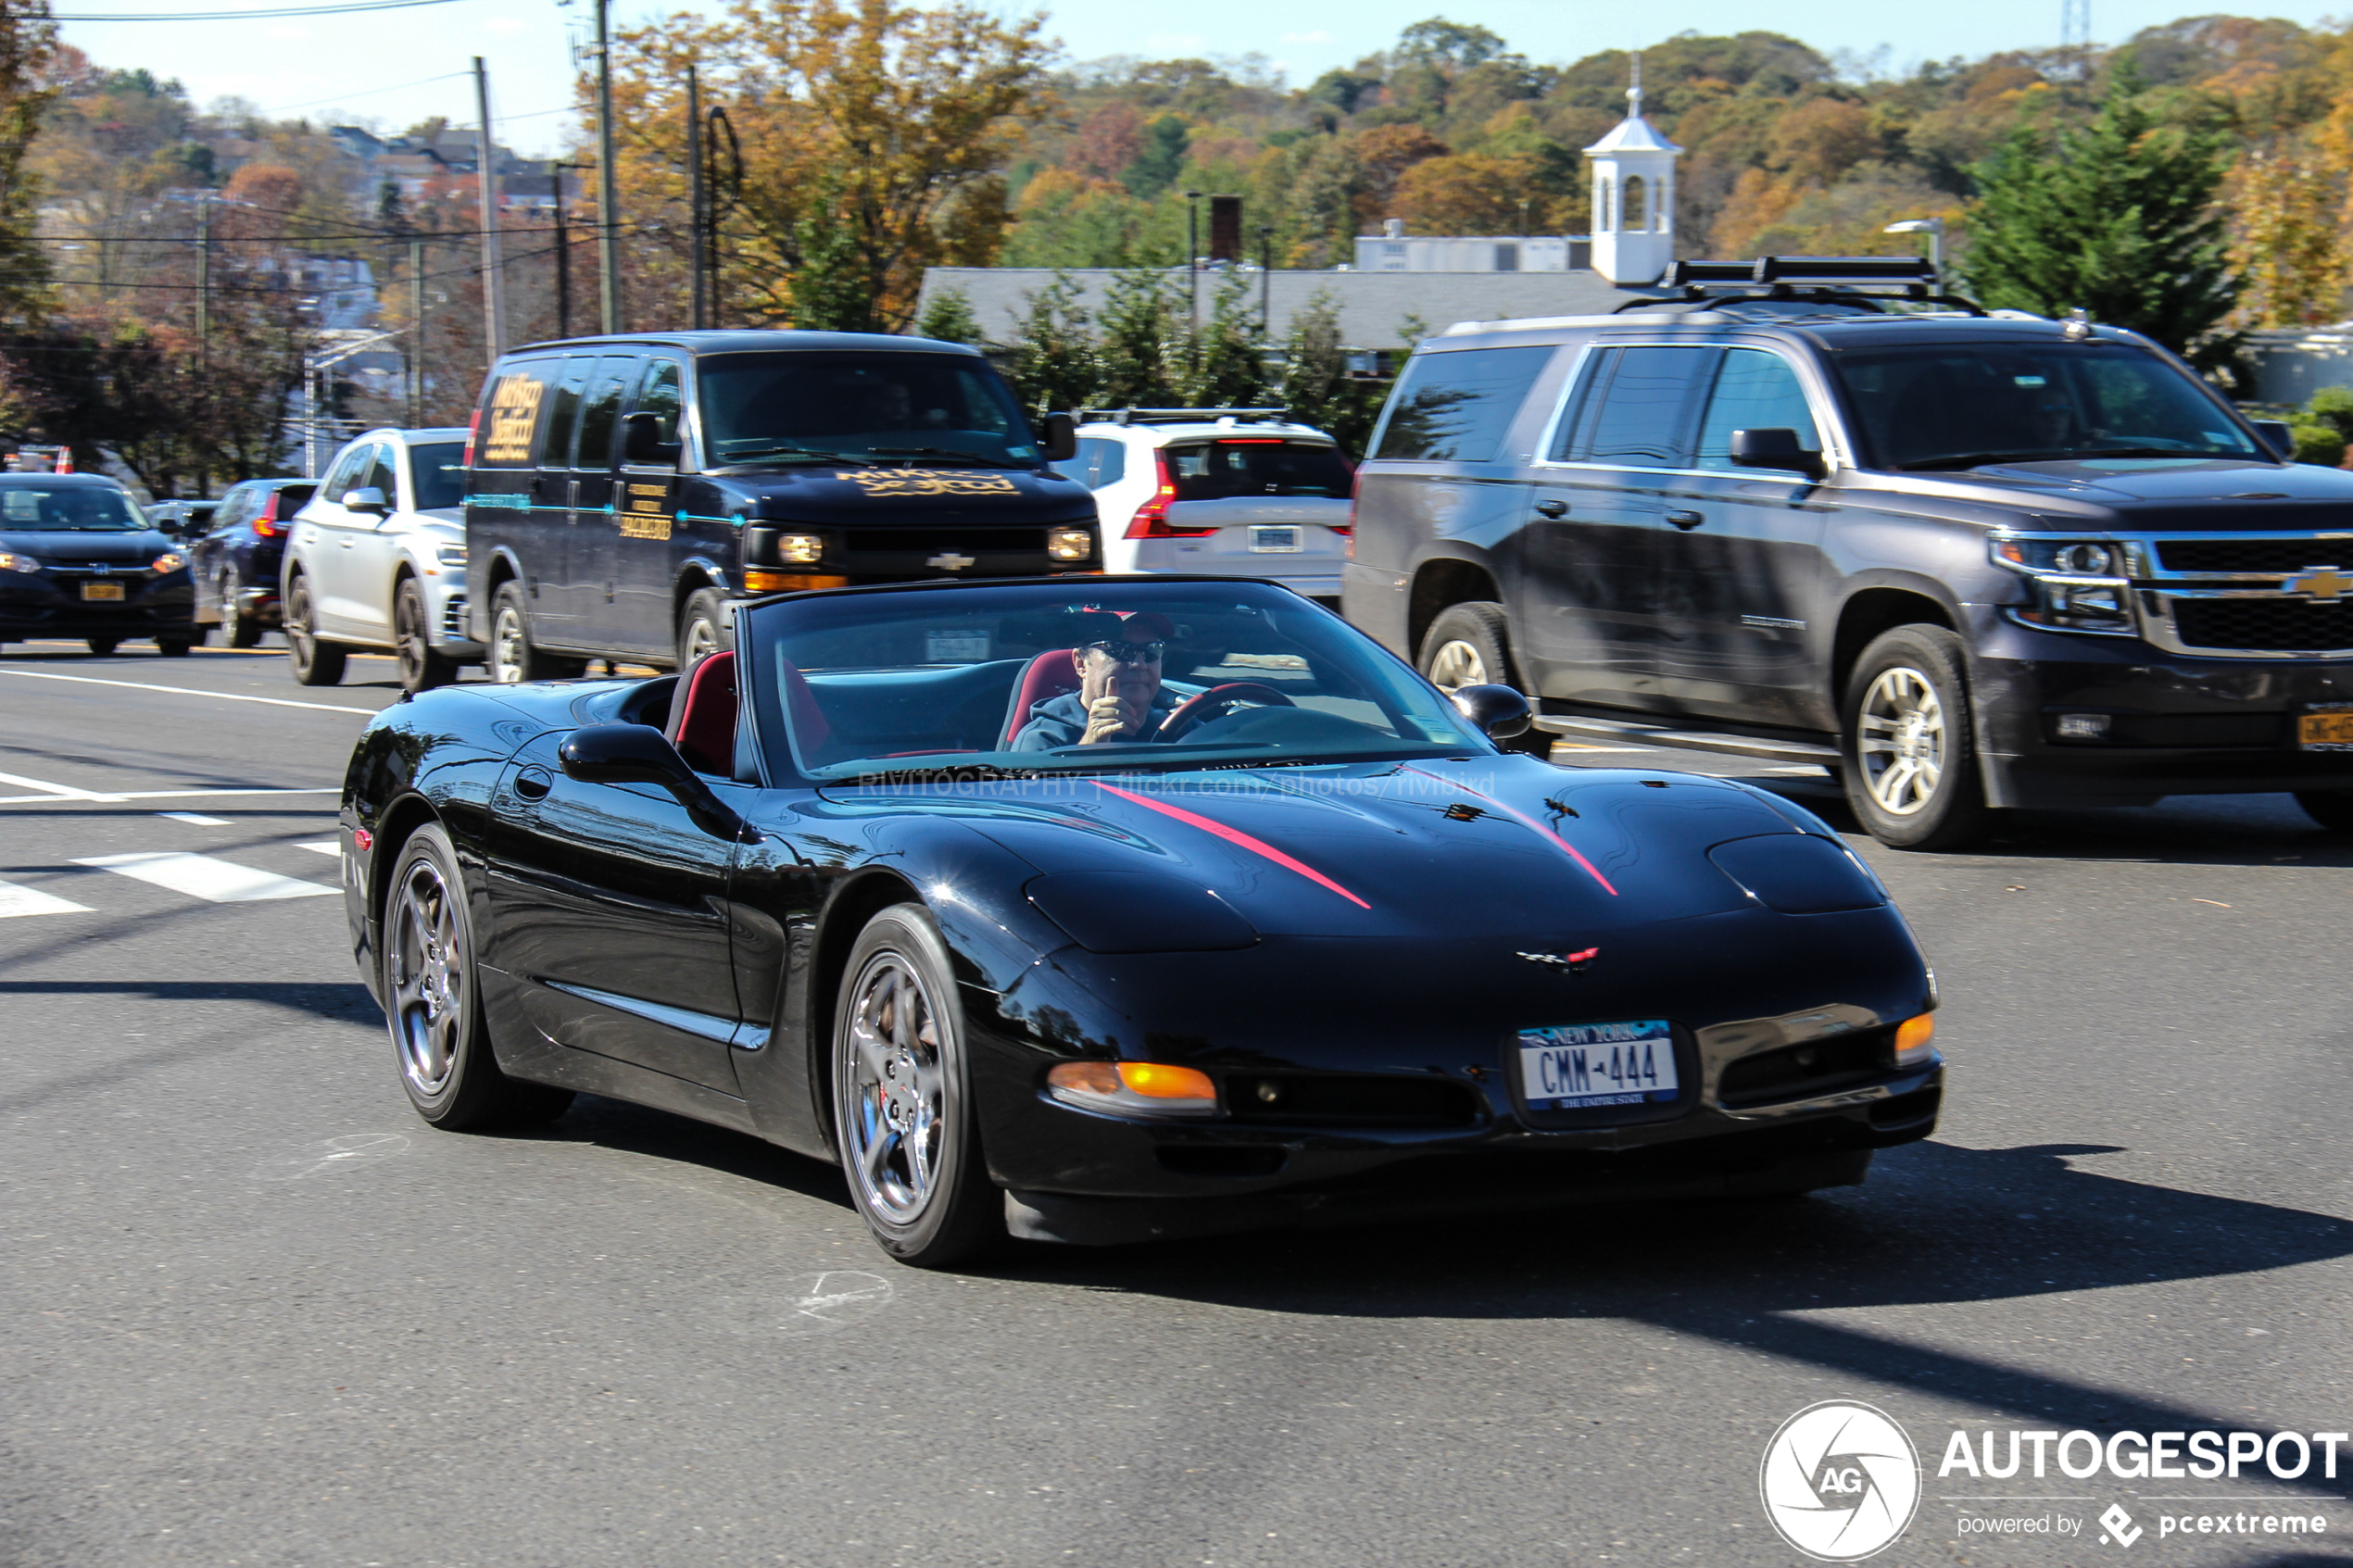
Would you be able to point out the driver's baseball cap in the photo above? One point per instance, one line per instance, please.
(1109, 626)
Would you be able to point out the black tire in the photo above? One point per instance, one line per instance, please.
(422, 668)
(440, 1034)
(103, 645)
(244, 631)
(1469, 645)
(1917, 786)
(926, 1198)
(704, 626)
(512, 656)
(2332, 808)
(173, 647)
(315, 661)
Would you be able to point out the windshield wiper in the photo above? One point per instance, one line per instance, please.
(946, 452)
(789, 451)
(1979, 459)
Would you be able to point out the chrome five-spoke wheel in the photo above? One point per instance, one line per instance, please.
(1455, 664)
(899, 1099)
(428, 971)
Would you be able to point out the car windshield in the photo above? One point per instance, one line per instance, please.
(1059, 678)
(780, 408)
(438, 470)
(1923, 409)
(1216, 471)
(68, 508)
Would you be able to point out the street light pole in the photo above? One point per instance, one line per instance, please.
(1935, 229)
(607, 185)
(1192, 258)
(494, 293)
(695, 203)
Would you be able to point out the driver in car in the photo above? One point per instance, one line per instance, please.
(1119, 696)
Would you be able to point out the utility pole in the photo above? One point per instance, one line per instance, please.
(695, 203)
(607, 185)
(204, 328)
(416, 334)
(494, 293)
(1192, 257)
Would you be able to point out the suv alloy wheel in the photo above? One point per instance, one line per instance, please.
(1911, 772)
(1468, 646)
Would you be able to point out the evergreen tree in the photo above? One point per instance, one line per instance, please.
(950, 318)
(2117, 219)
(831, 289)
(1055, 365)
(1144, 340)
(1222, 366)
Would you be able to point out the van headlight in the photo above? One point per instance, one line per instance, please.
(2079, 584)
(1070, 544)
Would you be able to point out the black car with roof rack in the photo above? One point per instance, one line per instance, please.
(621, 491)
(1814, 508)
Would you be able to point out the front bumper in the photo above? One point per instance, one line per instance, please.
(47, 604)
(2180, 725)
(445, 611)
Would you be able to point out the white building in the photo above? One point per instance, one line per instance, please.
(1633, 196)
(1395, 251)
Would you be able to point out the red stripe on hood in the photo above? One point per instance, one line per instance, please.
(1234, 835)
(1568, 849)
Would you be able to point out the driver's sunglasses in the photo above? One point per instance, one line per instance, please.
(1126, 652)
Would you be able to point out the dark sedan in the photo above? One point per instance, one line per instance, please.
(1101, 910)
(79, 559)
(235, 563)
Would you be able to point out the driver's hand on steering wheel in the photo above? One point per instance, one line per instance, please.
(1108, 718)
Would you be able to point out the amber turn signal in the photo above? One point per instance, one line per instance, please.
(760, 580)
(1151, 1087)
(1913, 1040)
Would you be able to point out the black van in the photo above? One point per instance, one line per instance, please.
(621, 491)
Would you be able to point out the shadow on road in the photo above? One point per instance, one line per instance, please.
(345, 999)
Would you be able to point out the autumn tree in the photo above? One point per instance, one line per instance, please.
(2284, 239)
(28, 47)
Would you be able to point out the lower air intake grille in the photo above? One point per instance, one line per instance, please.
(2267, 625)
(1355, 1099)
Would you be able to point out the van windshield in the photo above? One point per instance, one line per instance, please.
(790, 407)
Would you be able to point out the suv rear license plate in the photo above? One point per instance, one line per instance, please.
(1572, 1066)
(1267, 540)
(102, 589)
(2325, 729)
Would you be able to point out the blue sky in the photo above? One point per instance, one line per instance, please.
(376, 67)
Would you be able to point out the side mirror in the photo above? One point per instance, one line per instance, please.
(1499, 711)
(1775, 448)
(641, 439)
(366, 499)
(2280, 437)
(1058, 437)
(641, 754)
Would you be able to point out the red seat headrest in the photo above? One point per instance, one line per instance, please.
(1047, 676)
(702, 714)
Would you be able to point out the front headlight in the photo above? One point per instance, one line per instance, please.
(9, 563)
(800, 549)
(1070, 544)
(2079, 584)
(450, 554)
(168, 561)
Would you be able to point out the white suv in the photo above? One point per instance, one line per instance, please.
(1218, 493)
(378, 561)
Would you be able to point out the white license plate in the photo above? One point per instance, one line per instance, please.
(1270, 541)
(102, 589)
(1572, 1066)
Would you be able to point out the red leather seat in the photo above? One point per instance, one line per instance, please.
(702, 714)
(1047, 676)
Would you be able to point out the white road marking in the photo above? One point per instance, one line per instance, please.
(1581, 745)
(195, 819)
(1809, 768)
(322, 846)
(202, 876)
(15, 900)
(151, 794)
(55, 791)
(189, 691)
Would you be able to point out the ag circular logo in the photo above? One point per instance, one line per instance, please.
(1841, 1481)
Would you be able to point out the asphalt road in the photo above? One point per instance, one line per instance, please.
(256, 1313)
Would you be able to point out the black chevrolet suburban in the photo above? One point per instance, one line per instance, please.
(1807, 508)
(621, 491)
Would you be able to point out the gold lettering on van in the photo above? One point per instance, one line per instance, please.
(514, 409)
(930, 481)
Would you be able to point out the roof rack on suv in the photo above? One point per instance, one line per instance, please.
(1173, 415)
(1830, 279)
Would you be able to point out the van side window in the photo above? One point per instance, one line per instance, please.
(1753, 391)
(600, 415)
(1455, 406)
(661, 396)
(562, 416)
(1631, 407)
(510, 414)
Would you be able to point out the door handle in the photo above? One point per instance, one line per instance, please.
(1553, 509)
(533, 784)
(1685, 521)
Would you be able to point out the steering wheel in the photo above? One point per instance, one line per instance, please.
(1202, 707)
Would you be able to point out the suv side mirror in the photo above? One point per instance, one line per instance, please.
(1499, 711)
(1058, 438)
(2279, 436)
(1776, 447)
(641, 439)
(641, 754)
(367, 498)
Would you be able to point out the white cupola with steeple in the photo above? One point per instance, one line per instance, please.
(1633, 196)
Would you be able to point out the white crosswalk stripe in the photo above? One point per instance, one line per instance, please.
(322, 846)
(15, 900)
(195, 819)
(205, 876)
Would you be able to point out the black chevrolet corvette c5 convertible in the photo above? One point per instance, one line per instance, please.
(1099, 910)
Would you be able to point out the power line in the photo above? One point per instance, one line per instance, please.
(363, 93)
(243, 15)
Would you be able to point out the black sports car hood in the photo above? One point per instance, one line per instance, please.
(1465, 848)
(76, 545)
(930, 491)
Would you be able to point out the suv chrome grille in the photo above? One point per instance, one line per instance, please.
(2269, 625)
(2252, 555)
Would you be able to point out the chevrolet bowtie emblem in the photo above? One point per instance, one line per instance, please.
(1571, 964)
(949, 561)
(2321, 581)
